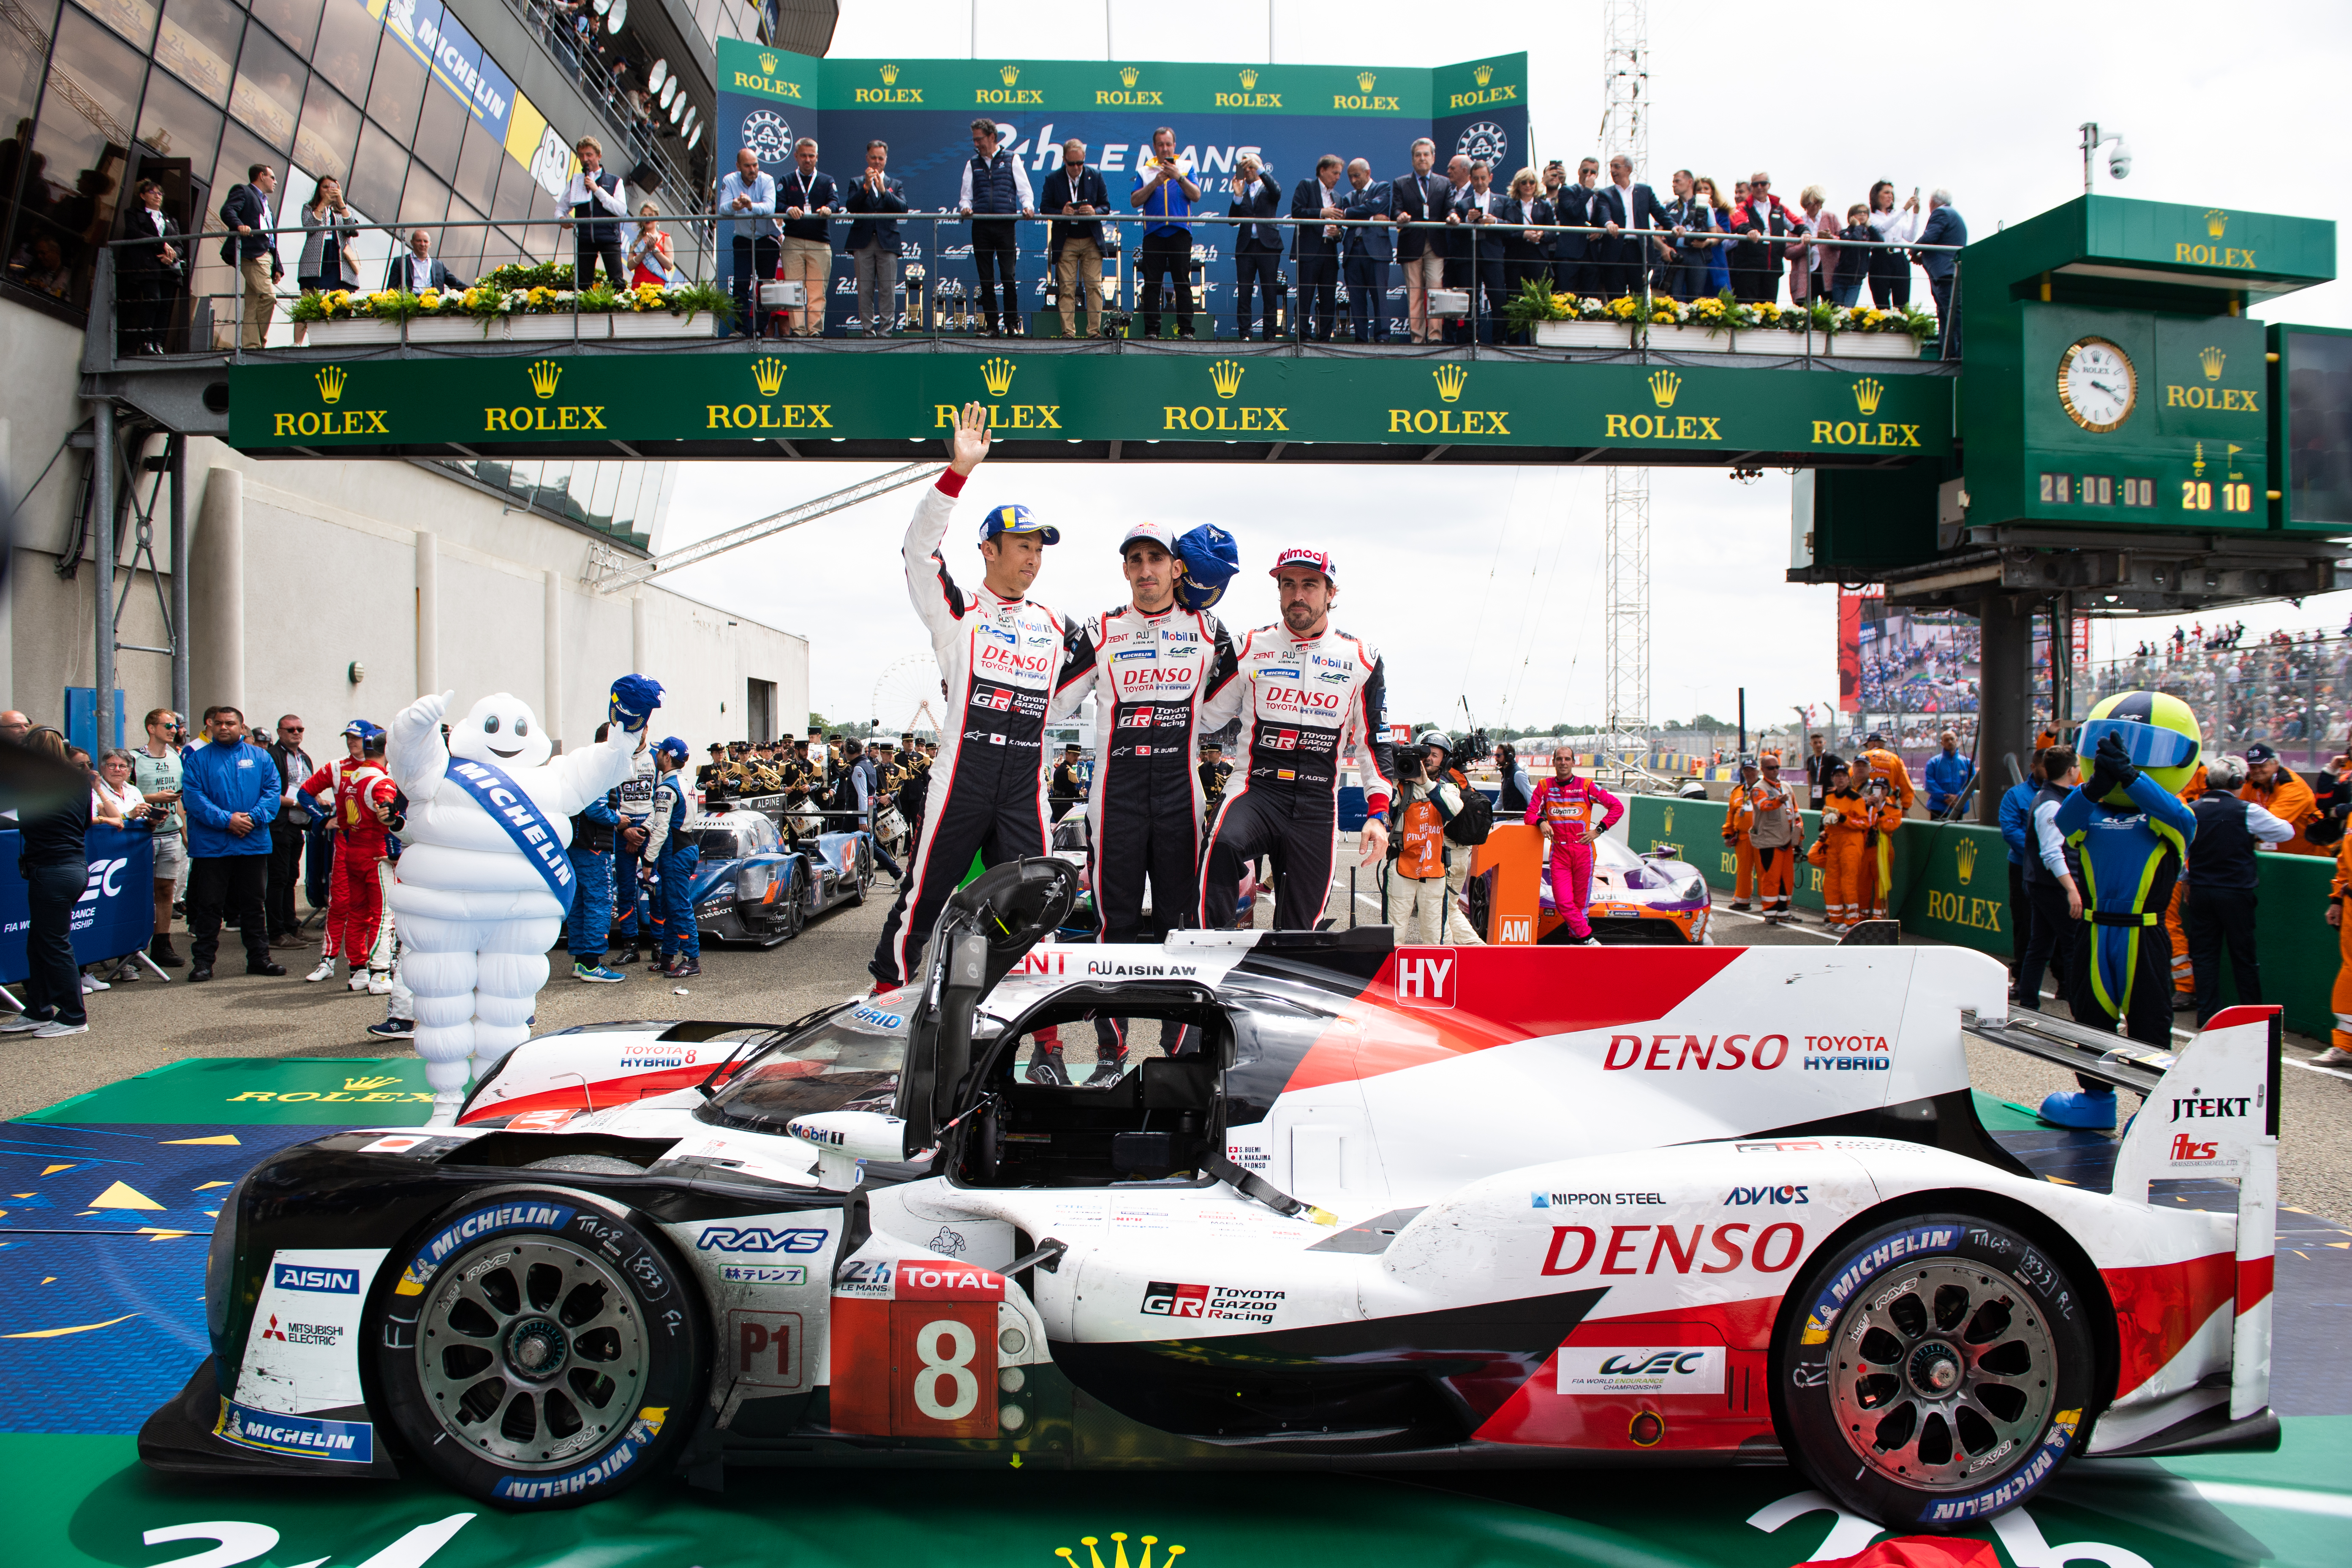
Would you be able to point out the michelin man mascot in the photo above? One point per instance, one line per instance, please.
(485, 882)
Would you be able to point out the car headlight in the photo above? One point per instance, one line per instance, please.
(755, 883)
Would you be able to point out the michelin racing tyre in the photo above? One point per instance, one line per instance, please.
(1933, 1372)
(537, 1352)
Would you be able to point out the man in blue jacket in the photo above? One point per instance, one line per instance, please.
(2016, 828)
(1944, 227)
(1947, 776)
(1365, 251)
(229, 788)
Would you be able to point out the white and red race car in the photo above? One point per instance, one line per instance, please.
(1346, 1204)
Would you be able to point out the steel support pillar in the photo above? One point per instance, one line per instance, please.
(102, 459)
(2005, 701)
(176, 452)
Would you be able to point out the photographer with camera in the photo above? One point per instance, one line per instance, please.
(1415, 889)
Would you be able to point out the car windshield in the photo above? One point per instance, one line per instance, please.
(850, 1061)
(717, 843)
(1615, 855)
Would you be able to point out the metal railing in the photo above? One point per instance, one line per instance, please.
(539, 18)
(924, 303)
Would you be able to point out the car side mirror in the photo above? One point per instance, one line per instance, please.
(844, 1140)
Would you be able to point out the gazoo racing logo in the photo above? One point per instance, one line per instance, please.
(758, 1238)
(1165, 1298)
(1678, 1053)
(1848, 1053)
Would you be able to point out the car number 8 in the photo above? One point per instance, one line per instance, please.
(955, 1368)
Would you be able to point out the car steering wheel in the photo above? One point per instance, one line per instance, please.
(1020, 903)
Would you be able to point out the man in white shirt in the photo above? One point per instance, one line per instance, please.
(594, 193)
(992, 200)
(747, 212)
(416, 269)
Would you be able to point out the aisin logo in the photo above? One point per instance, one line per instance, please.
(1450, 378)
(331, 383)
(996, 374)
(1225, 375)
(1866, 394)
(1664, 386)
(544, 373)
(1119, 1551)
(768, 375)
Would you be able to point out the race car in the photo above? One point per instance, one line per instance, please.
(750, 886)
(1346, 1204)
(1636, 898)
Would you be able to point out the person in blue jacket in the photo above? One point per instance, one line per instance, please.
(2132, 833)
(590, 919)
(230, 789)
(1947, 776)
(671, 857)
(2016, 823)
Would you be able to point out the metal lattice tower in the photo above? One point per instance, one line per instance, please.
(1626, 128)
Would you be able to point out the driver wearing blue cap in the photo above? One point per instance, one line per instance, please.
(670, 859)
(999, 651)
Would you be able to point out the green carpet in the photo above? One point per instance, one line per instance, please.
(333, 1091)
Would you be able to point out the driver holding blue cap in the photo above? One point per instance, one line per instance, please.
(999, 652)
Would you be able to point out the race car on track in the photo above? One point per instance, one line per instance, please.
(750, 886)
(1346, 1204)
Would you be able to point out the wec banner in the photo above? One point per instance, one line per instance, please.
(1286, 115)
(116, 912)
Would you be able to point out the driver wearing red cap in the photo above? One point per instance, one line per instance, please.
(998, 650)
(1308, 696)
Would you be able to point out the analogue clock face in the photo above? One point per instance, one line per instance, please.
(2097, 384)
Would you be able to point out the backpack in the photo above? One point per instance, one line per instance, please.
(1471, 825)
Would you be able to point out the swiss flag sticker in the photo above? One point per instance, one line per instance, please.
(1424, 976)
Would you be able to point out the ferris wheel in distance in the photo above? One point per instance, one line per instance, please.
(906, 697)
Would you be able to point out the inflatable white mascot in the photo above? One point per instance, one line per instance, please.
(485, 882)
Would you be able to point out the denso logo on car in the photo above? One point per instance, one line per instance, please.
(1712, 1249)
(1676, 1053)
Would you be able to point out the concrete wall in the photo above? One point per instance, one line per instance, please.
(324, 559)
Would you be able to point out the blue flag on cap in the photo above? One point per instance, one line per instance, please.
(1209, 556)
(634, 698)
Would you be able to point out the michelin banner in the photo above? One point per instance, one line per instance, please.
(1287, 115)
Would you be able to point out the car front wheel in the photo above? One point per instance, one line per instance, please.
(537, 1351)
(1934, 1371)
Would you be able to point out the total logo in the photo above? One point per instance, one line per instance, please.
(1750, 1197)
(1678, 1053)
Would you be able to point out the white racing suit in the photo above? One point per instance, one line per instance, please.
(1305, 701)
(998, 659)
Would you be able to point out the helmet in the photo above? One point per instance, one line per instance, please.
(2158, 731)
(2225, 772)
(1435, 738)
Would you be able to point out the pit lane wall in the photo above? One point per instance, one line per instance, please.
(1951, 883)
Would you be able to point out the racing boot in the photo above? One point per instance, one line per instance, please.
(1109, 1068)
(359, 982)
(682, 967)
(2092, 1109)
(326, 971)
(1046, 1067)
(379, 983)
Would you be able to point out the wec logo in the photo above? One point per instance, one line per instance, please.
(1659, 1363)
(758, 1238)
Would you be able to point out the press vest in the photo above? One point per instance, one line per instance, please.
(2037, 875)
(1421, 838)
(2222, 853)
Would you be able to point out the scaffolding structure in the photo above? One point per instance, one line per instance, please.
(1625, 129)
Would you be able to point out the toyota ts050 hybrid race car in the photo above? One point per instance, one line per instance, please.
(1346, 1204)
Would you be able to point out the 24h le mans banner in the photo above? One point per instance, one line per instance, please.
(1288, 115)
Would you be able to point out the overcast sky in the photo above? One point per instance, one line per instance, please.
(1483, 583)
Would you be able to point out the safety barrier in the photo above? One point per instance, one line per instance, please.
(1951, 884)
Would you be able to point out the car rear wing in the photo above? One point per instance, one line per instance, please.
(2215, 1114)
(2094, 1053)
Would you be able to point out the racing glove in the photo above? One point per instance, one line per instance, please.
(2112, 758)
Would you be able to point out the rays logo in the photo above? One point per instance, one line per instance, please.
(758, 1238)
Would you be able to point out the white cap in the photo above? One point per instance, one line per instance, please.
(1158, 533)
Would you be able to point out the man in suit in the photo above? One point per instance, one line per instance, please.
(1257, 246)
(1077, 196)
(1572, 271)
(146, 274)
(1482, 251)
(1420, 197)
(1624, 208)
(594, 195)
(1315, 249)
(804, 197)
(1366, 252)
(1944, 227)
(254, 249)
(1457, 243)
(1761, 222)
(874, 240)
(996, 192)
(415, 269)
(1164, 194)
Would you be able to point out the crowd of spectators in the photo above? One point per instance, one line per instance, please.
(2287, 690)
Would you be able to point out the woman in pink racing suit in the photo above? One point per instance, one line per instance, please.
(1564, 806)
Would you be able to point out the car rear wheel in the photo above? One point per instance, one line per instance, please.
(539, 1352)
(1934, 1371)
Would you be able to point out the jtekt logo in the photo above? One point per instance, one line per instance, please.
(1425, 978)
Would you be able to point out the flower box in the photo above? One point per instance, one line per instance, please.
(1689, 340)
(660, 324)
(1778, 341)
(454, 330)
(593, 327)
(1584, 335)
(1874, 346)
(353, 331)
